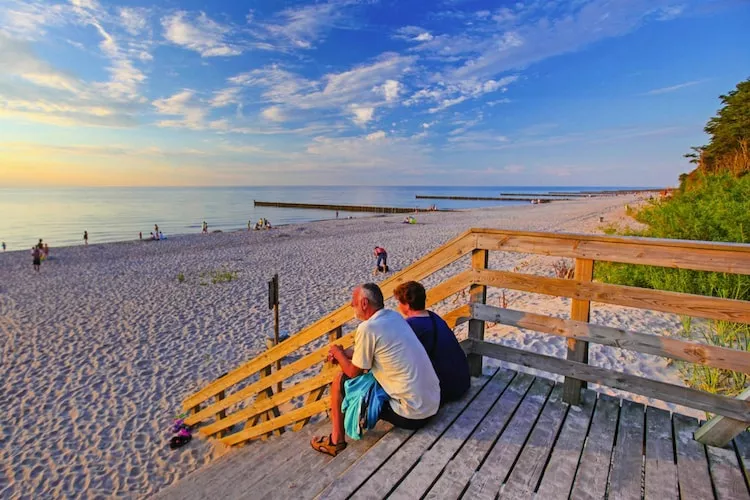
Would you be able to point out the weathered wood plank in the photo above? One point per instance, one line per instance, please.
(432, 462)
(433, 261)
(694, 352)
(639, 385)
(661, 471)
(679, 254)
(692, 463)
(370, 462)
(528, 470)
(459, 470)
(719, 431)
(262, 405)
(657, 300)
(627, 459)
(315, 357)
(560, 472)
(400, 463)
(742, 447)
(477, 295)
(580, 310)
(489, 478)
(276, 423)
(727, 474)
(593, 469)
(457, 316)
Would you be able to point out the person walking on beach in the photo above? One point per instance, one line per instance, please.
(249, 223)
(3, 246)
(381, 264)
(36, 257)
(205, 227)
(86, 238)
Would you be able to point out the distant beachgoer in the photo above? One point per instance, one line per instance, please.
(161, 236)
(381, 264)
(249, 223)
(156, 229)
(40, 245)
(36, 256)
(205, 227)
(140, 235)
(86, 238)
(152, 235)
(46, 251)
(3, 246)
(337, 214)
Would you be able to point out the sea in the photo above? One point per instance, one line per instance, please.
(61, 215)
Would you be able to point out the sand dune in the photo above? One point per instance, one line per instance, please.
(99, 349)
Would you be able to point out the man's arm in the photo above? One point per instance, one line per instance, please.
(344, 360)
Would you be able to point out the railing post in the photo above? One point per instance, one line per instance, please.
(578, 350)
(477, 295)
(315, 395)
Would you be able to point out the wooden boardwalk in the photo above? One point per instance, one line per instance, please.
(511, 437)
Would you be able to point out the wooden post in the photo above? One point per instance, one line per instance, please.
(578, 350)
(315, 395)
(223, 413)
(719, 431)
(264, 394)
(477, 295)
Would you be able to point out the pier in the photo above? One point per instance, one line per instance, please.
(344, 208)
(484, 198)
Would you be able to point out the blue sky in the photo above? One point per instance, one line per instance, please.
(452, 92)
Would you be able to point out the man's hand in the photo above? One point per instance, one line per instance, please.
(335, 353)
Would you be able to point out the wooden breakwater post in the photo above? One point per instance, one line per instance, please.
(344, 208)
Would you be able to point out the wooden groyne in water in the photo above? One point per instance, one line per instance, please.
(344, 208)
(484, 198)
(564, 195)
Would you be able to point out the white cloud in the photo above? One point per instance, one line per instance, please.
(181, 104)
(274, 114)
(302, 27)
(225, 97)
(666, 90)
(390, 90)
(200, 34)
(375, 136)
(29, 20)
(362, 115)
(447, 95)
(134, 20)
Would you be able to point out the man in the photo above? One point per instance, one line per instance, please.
(438, 339)
(381, 264)
(385, 344)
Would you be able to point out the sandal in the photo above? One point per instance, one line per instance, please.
(324, 444)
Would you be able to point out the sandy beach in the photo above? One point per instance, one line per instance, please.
(100, 348)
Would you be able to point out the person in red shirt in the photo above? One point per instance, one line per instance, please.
(381, 264)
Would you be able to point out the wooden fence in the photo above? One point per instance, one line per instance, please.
(235, 398)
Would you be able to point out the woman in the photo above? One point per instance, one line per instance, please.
(448, 359)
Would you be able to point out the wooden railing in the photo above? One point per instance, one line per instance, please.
(226, 402)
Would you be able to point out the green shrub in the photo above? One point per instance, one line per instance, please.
(712, 208)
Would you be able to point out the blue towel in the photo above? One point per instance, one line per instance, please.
(363, 400)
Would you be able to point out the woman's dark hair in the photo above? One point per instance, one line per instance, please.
(411, 293)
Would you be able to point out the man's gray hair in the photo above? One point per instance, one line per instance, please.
(373, 294)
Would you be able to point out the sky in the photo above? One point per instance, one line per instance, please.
(372, 92)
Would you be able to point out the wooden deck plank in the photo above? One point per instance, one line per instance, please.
(692, 463)
(742, 446)
(727, 474)
(528, 470)
(458, 472)
(432, 462)
(661, 470)
(401, 463)
(560, 472)
(593, 469)
(627, 459)
(348, 482)
(310, 471)
(489, 478)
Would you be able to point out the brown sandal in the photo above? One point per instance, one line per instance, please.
(324, 444)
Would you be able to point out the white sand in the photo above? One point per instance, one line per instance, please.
(100, 348)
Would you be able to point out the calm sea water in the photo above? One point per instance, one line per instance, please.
(60, 215)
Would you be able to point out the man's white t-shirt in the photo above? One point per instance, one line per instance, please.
(386, 345)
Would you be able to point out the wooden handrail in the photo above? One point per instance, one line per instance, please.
(214, 401)
(668, 347)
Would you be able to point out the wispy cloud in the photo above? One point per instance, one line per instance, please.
(200, 34)
(672, 88)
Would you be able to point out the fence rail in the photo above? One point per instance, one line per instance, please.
(225, 403)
